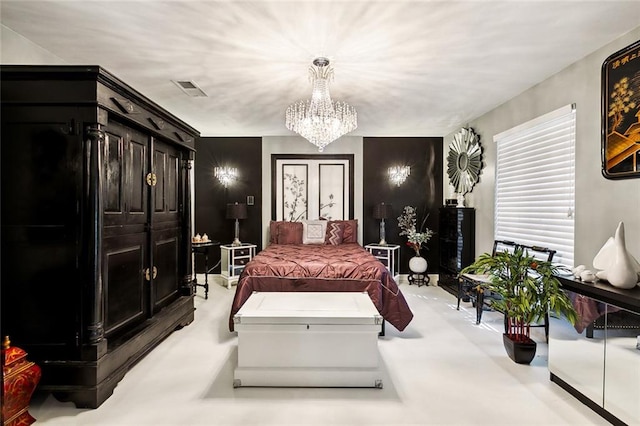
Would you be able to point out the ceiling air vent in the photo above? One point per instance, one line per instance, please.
(190, 88)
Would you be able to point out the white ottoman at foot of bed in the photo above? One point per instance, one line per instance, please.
(308, 339)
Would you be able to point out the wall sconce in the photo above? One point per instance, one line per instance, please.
(226, 175)
(382, 211)
(237, 211)
(399, 174)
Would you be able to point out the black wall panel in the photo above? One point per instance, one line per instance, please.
(422, 189)
(211, 197)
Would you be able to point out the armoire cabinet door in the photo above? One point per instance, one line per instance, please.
(166, 252)
(166, 223)
(126, 288)
(126, 256)
(125, 189)
(166, 191)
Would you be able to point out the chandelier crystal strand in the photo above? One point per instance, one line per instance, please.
(319, 119)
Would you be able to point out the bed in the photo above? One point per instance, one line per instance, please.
(292, 263)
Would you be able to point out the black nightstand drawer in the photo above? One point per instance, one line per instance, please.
(241, 261)
(241, 252)
(380, 253)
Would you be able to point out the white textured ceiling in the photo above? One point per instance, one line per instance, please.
(411, 68)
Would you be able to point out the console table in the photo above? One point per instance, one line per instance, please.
(203, 249)
(602, 370)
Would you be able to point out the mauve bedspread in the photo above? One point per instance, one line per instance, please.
(311, 267)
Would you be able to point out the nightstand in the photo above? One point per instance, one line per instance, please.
(389, 255)
(234, 259)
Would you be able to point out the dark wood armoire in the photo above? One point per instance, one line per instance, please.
(96, 225)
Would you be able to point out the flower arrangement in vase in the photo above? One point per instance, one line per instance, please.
(415, 239)
(407, 224)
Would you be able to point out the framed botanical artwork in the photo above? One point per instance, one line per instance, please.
(621, 114)
(312, 186)
(294, 191)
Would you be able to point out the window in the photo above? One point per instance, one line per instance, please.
(535, 183)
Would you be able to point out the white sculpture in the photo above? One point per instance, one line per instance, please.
(617, 265)
(582, 273)
(578, 270)
(588, 276)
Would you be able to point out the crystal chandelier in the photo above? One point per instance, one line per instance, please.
(321, 120)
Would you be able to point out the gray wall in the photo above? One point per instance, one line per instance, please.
(600, 203)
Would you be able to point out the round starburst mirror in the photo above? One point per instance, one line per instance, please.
(464, 161)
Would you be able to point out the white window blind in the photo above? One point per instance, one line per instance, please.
(535, 183)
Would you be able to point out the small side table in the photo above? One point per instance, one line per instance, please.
(234, 259)
(203, 248)
(389, 255)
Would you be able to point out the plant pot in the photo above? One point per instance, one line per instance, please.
(522, 351)
(418, 264)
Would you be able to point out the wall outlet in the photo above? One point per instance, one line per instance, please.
(250, 200)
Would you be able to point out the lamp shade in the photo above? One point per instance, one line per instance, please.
(236, 211)
(382, 211)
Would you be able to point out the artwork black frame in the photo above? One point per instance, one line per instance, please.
(326, 159)
(620, 146)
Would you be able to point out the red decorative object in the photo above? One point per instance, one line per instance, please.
(19, 379)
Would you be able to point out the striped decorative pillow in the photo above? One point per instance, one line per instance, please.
(334, 234)
(349, 230)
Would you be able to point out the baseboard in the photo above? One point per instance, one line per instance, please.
(404, 279)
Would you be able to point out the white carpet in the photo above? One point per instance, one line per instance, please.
(442, 370)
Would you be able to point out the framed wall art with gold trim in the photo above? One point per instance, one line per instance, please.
(621, 114)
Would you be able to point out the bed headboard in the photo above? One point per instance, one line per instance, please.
(337, 232)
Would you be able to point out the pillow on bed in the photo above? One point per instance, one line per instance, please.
(349, 230)
(290, 233)
(335, 231)
(273, 232)
(284, 232)
(314, 231)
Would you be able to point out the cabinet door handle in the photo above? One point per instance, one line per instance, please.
(152, 179)
(147, 273)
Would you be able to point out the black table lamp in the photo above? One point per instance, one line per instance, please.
(237, 211)
(382, 211)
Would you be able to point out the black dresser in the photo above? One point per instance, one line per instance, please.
(457, 239)
(96, 234)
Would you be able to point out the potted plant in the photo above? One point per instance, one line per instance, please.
(415, 239)
(527, 290)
